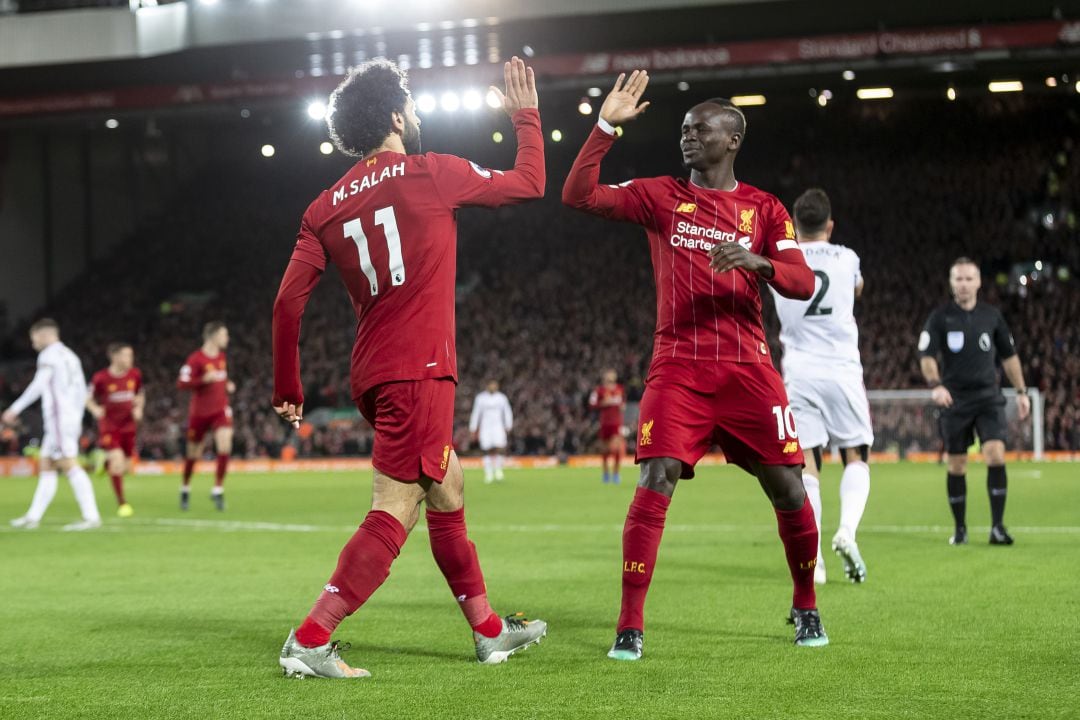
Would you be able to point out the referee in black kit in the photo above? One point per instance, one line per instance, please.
(970, 336)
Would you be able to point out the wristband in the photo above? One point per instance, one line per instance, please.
(605, 126)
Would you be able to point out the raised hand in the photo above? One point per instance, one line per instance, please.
(290, 413)
(621, 104)
(520, 87)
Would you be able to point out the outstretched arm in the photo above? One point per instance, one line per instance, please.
(33, 391)
(462, 183)
(582, 189)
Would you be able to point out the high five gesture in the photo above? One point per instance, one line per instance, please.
(623, 102)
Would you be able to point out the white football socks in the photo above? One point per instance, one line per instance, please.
(813, 494)
(84, 493)
(489, 468)
(854, 491)
(499, 466)
(43, 495)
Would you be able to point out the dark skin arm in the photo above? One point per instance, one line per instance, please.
(725, 256)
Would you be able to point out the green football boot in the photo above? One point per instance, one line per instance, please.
(808, 629)
(627, 645)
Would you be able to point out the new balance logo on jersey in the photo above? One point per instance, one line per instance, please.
(791, 448)
(686, 207)
(646, 433)
(789, 230)
(445, 457)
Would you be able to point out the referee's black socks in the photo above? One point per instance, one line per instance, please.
(997, 488)
(957, 488)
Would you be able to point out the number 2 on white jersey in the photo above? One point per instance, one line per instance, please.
(355, 230)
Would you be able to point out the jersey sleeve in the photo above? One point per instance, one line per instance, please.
(930, 337)
(308, 248)
(461, 183)
(138, 381)
(508, 414)
(629, 201)
(299, 280)
(792, 277)
(191, 373)
(1003, 339)
(36, 388)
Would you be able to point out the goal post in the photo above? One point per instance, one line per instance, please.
(906, 423)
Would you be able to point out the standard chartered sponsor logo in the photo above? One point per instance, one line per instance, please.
(697, 237)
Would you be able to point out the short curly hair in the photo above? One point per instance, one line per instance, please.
(360, 110)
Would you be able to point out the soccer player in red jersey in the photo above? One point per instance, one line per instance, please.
(116, 399)
(206, 374)
(713, 241)
(610, 399)
(389, 225)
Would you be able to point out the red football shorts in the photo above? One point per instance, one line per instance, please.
(199, 425)
(689, 406)
(609, 431)
(113, 439)
(414, 427)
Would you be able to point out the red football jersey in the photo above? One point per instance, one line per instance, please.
(390, 227)
(610, 401)
(700, 314)
(116, 393)
(206, 377)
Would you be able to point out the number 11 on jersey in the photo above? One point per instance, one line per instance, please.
(354, 229)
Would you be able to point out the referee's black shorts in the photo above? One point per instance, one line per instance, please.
(964, 419)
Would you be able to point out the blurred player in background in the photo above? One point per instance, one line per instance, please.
(61, 386)
(491, 419)
(389, 225)
(206, 375)
(970, 337)
(824, 376)
(713, 241)
(610, 400)
(116, 399)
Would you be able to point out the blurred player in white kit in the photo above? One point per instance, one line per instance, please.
(61, 386)
(492, 418)
(824, 375)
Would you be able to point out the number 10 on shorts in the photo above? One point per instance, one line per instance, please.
(785, 422)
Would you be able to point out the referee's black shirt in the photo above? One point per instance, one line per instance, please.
(970, 344)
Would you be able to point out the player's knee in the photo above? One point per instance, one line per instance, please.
(994, 452)
(660, 475)
(855, 454)
(784, 486)
(957, 464)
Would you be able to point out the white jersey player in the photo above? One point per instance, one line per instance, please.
(61, 386)
(824, 375)
(491, 420)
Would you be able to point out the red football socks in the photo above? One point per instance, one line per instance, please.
(799, 533)
(363, 565)
(118, 487)
(456, 557)
(222, 466)
(189, 468)
(641, 538)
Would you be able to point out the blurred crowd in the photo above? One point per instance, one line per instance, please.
(548, 298)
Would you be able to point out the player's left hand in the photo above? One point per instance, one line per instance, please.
(9, 417)
(520, 87)
(290, 413)
(725, 256)
(1023, 406)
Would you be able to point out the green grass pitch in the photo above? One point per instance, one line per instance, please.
(172, 615)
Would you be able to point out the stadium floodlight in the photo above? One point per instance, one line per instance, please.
(449, 101)
(1000, 86)
(112, 123)
(822, 100)
(595, 92)
(472, 100)
(326, 148)
(848, 75)
(1077, 86)
(1051, 81)
(747, 100)
(556, 135)
(874, 93)
(267, 150)
(951, 93)
(426, 103)
(496, 137)
(683, 86)
(493, 100)
(316, 110)
(584, 107)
